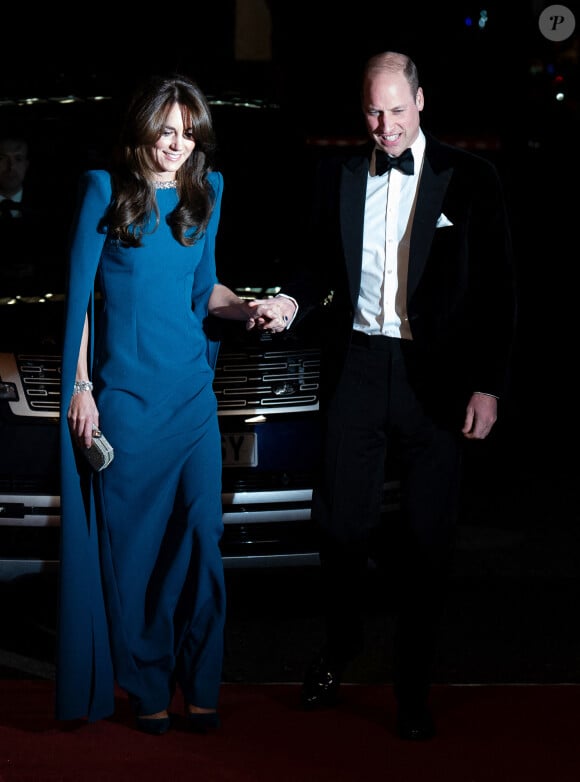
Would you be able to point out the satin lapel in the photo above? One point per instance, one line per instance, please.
(435, 178)
(353, 184)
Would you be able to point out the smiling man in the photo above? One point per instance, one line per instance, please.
(412, 238)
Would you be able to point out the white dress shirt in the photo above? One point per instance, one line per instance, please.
(389, 210)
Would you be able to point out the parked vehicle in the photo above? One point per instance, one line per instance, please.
(266, 385)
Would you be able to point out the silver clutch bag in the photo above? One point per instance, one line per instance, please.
(100, 454)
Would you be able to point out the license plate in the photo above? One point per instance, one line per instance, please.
(239, 449)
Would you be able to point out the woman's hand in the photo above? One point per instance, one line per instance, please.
(83, 418)
(82, 415)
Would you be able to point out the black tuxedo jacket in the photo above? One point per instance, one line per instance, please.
(34, 245)
(460, 291)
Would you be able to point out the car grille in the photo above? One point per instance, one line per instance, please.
(246, 383)
(267, 381)
(31, 383)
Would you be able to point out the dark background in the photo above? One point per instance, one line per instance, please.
(492, 90)
(315, 54)
(513, 609)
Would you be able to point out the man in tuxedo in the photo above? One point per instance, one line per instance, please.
(410, 253)
(14, 164)
(33, 225)
(18, 218)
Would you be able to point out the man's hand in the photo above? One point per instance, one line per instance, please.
(270, 314)
(480, 416)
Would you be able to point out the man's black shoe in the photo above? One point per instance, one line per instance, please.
(321, 683)
(415, 724)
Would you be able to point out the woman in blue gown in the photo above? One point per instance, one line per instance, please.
(141, 597)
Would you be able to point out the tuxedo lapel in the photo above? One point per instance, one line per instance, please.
(435, 177)
(353, 184)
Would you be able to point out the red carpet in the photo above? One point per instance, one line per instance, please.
(527, 733)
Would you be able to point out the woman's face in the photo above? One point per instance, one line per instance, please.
(173, 147)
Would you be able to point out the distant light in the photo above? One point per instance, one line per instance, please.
(559, 96)
(481, 22)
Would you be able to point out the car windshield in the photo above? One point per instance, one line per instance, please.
(263, 161)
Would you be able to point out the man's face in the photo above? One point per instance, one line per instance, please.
(13, 165)
(391, 111)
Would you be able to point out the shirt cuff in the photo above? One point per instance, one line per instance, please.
(285, 296)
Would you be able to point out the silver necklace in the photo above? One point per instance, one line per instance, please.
(166, 185)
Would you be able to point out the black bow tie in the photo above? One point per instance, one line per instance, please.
(7, 206)
(384, 162)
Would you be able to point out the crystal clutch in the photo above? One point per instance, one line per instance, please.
(100, 453)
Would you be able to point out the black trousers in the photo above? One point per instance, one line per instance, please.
(375, 412)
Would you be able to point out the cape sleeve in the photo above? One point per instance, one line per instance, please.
(84, 673)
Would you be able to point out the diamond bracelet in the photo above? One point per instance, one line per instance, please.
(82, 385)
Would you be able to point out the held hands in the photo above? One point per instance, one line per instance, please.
(273, 314)
(270, 314)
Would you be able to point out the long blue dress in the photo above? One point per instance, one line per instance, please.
(141, 597)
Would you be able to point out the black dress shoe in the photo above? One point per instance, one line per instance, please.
(321, 683)
(203, 721)
(415, 723)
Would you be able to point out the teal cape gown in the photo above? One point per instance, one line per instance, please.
(152, 367)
